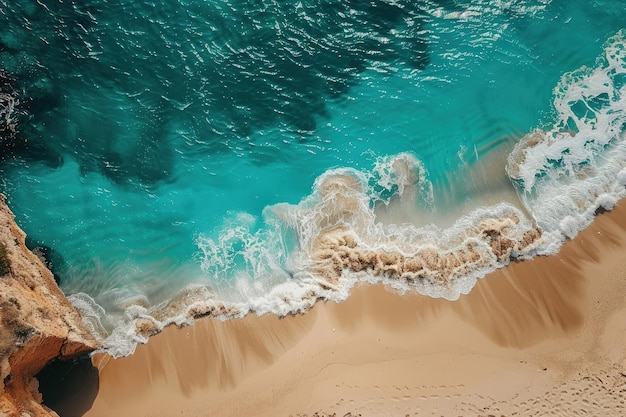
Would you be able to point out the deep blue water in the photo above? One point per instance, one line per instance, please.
(184, 145)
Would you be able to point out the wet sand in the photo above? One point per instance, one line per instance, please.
(547, 336)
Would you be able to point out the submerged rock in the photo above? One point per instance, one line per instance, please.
(37, 323)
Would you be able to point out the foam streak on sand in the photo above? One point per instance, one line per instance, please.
(321, 247)
(539, 337)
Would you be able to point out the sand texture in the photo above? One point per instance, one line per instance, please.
(541, 337)
(37, 323)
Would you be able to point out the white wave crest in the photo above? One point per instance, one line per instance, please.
(566, 173)
(320, 247)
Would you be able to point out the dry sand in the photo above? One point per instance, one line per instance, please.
(544, 337)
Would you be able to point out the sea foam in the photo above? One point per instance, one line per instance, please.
(578, 165)
(319, 248)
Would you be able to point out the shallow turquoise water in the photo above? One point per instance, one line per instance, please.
(155, 136)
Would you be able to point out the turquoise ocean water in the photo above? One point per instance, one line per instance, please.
(186, 157)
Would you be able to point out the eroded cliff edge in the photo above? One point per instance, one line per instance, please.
(37, 323)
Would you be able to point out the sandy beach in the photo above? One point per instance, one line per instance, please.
(542, 337)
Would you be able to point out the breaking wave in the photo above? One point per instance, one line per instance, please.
(567, 172)
(319, 248)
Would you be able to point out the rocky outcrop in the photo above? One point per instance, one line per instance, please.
(37, 323)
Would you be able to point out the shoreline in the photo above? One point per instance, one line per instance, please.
(528, 337)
